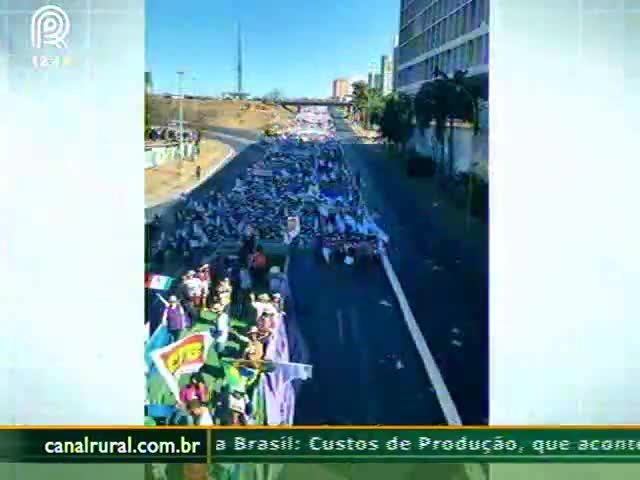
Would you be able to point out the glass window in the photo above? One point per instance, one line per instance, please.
(469, 53)
(478, 51)
(454, 26)
(473, 7)
(485, 49)
(448, 29)
(466, 19)
(484, 11)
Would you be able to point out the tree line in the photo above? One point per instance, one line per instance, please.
(438, 104)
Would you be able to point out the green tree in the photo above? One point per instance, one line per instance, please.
(396, 121)
(360, 98)
(433, 104)
(147, 111)
(375, 106)
(442, 101)
(274, 95)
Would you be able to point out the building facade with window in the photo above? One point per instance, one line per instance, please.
(341, 88)
(448, 34)
(386, 71)
(396, 49)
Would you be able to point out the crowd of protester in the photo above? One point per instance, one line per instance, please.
(210, 293)
(302, 175)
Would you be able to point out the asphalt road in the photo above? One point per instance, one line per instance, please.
(366, 366)
(352, 325)
(452, 296)
(252, 135)
(240, 141)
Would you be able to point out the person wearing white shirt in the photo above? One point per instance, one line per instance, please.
(200, 413)
(194, 287)
(262, 304)
(222, 326)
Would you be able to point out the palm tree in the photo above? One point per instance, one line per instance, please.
(375, 106)
(360, 96)
(454, 100)
(396, 121)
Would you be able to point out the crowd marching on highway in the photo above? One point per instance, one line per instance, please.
(302, 176)
(301, 193)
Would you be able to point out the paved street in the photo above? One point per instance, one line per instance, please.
(445, 281)
(348, 325)
(351, 325)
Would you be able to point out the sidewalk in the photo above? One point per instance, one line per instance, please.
(364, 133)
(430, 199)
(169, 180)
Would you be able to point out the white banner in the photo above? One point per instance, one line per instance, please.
(293, 229)
(261, 172)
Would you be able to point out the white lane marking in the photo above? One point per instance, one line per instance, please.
(442, 392)
(473, 471)
(340, 326)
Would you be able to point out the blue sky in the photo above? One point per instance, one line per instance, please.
(297, 46)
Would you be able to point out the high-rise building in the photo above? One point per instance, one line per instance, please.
(371, 80)
(377, 81)
(341, 88)
(386, 73)
(449, 34)
(396, 40)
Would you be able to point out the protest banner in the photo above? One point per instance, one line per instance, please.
(293, 228)
(187, 355)
(261, 172)
(157, 282)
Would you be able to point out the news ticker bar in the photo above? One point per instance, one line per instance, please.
(317, 445)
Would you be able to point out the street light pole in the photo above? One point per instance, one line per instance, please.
(181, 112)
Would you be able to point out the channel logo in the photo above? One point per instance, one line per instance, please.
(50, 27)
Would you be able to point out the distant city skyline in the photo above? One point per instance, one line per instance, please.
(299, 58)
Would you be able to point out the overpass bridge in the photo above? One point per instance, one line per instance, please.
(298, 103)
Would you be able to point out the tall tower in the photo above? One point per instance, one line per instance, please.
(239, 79)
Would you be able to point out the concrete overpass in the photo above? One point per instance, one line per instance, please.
(297, 104)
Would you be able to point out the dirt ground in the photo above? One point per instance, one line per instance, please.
(219, 113)
(163, 182)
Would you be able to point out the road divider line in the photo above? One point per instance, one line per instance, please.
(472, 470)
(442, 392)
